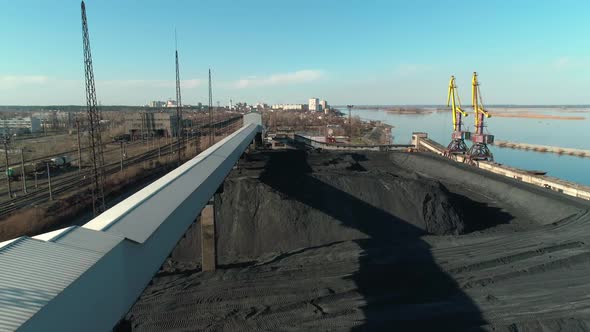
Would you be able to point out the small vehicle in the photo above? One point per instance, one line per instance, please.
(122, 138)
(16, 173)
(61, 161)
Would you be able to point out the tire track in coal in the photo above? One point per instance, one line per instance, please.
(280, 303)
(583, 258)
(515, 257)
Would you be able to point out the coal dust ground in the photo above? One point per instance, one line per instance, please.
(329, 241)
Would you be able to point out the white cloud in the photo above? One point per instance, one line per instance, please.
(12, 81)
(300, 76)
(562, 62)
(39, 90)
(406, 69)
(184, 84)
(571, 62)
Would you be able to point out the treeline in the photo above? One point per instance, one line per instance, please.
(78, 108)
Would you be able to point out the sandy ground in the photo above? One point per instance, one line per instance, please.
(527, 115)
(377, 241)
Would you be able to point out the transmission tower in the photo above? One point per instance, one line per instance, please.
(54, 120)
(211, 129)
(349, 122)
(179, 135)
(94, 116)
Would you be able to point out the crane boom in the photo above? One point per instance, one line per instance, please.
(479, 150)
(455, 103)
(478, 109)
(457, 145)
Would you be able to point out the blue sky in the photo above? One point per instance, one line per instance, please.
(359, 52)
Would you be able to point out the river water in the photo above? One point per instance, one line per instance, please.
(563, 133)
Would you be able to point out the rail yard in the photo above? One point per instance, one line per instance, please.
(57, 178)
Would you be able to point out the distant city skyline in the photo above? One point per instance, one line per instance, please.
(354, 52)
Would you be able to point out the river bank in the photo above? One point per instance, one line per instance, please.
(562, 133)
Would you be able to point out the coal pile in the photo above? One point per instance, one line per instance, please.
(377, 241)
(299, 201)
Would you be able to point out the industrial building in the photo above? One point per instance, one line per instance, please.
(156, 103)
(290, 107)
(54, 119)
(20, 125)
(151, 124)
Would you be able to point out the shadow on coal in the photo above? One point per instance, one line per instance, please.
(402, 285)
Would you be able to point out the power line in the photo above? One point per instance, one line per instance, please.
(211, 130)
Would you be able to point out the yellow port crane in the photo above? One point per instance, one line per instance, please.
(457, 145)
(479, 150)
(477, 103)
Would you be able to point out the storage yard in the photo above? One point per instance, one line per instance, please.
(377, 240)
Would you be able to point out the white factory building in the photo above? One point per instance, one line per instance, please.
(289, 107)
(20, 125)
(156, 103)
(314, 105)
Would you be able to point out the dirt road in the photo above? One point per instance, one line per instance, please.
(365, 241)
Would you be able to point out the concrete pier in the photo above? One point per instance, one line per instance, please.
(349, 147)
(543, 148)
(422, 142)
(209, 261)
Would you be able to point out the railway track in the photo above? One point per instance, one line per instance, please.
(79, 180)
(220, 124)
(69, 152)
(76, 181)
(59, 177)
